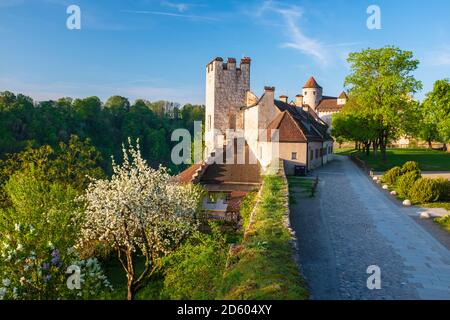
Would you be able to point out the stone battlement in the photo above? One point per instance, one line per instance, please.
(218, 63)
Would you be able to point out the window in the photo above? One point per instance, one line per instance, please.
(311, 155)
(294, 155)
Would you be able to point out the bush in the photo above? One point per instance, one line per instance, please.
(410, 166)
(443, 186)
(425, 190)
(38, 234)
(406, 182)
(390, 177)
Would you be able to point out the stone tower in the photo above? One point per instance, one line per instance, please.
(226, 89)
(312, 93)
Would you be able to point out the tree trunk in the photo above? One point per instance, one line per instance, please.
(430, 145)
(375, 148)
(367, 147)
(130, 288)
(130, 275)
(383, 147)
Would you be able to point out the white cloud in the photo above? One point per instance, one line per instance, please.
(298, 40)
(287, 19)
(181, 7)
(170, 14)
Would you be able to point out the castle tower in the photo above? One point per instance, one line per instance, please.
(312, 93)
(226, 89)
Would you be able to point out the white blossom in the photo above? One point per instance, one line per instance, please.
(139, 209)
(6, 282)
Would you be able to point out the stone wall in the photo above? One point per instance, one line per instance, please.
(226, 89)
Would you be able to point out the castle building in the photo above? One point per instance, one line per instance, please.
(304, 138)
(272, 129)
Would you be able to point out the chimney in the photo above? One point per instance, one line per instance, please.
(306, 108)
(299, 100)
(269, 93)
(284, 98)
(231, 64)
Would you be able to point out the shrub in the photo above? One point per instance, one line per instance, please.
(410, 166)
(443, 186)
(390, 177)
(425, 190)
(406, 182)
(39, 232)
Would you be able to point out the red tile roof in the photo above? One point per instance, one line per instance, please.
(187, 175)
(328, 105)
(311, 83)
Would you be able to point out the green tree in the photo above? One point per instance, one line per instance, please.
(382, 82)
(437, 106)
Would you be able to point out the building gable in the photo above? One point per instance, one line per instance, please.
(289, 130)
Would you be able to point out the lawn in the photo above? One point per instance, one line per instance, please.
(264, 267)
(429, 160)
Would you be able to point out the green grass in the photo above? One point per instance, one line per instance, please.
(343, 151)
(444, 222)
(117, 276)
(264, 267)
(429, 160)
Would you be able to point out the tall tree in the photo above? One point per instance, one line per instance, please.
(382, 82)
(437, 105)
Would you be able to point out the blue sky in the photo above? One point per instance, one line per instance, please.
(158, 49)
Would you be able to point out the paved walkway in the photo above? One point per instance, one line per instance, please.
(350, 225)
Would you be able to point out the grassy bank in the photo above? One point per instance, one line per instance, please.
(262, 267)
(429, 160)
(444, 222)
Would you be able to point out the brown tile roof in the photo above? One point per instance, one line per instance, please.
(311, 83)
(187, 175)
(313, 129)
(232, 173)
(289, 130)
(328, 104)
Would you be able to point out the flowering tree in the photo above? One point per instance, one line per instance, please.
(140, 211)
